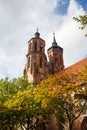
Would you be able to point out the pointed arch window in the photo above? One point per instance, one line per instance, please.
(41, 46)
(60, 58)
(28, 62)
(35, 46)
(29, 47)
(31, 69)
(41, 62)
(45, 61)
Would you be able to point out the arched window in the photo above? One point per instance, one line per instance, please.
(29, 47)
(45, 61)
(28, 62)
(55, 60)
(31, 69)
(50, 57)
(41, 47)
(35, 46)
(60, 58)
(41, 62)
(52, 68)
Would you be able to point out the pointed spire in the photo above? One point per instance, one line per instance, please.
(37, 29)
(54, 40)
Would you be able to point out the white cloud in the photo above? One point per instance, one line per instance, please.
(70, 37)
(18, 22)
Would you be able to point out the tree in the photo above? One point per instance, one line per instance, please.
(72, 106)
(9, 88)
(82, 19)
(31, 113)
(61, 91)
(24, 105)
(21, 106)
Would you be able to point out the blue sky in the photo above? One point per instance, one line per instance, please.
(62, 6)
(19, 20)
(83, 3)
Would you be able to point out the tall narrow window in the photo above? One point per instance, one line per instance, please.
(60, 58)
(41, 62)
(35, 46)
(55, 60)
(52, 68)
(29, 47)
(31, 69)
(28, 62)
(41, 47)
(45, 61)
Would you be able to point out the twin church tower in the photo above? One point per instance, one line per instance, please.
(37, 66)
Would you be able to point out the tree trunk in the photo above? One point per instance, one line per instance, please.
(70, 125)
(44, 126)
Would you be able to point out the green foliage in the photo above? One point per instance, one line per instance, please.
(60, 91)
(82, 20)
(27, 106)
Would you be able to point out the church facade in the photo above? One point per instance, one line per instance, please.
(37, 66)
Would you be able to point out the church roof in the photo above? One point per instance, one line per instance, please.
(55, 48)
(37, 36)
(78, 66)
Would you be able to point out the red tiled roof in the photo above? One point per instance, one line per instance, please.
(73, 70)
(78, 66)
(75, 67)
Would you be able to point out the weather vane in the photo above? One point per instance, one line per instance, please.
(37, 29)
(54, 34)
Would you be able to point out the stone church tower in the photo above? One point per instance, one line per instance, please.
(55, 55)
(37, 67)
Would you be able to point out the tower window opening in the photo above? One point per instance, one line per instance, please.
(52, 68)
(35, 46)
(50, 57)
(28, 62)
(60, 58)
(29, 47)
(45, 62)
(55, 60)
(31, 69)
(41, 62)
(40, 48)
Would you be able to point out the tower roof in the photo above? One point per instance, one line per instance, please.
(37, 34)
(54, 45)
(54, 40)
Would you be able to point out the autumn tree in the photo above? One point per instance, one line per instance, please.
(8, 88)
(61, 91)
(25, 106)
(31, 108)
(71, 106)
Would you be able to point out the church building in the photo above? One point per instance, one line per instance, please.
(37, 66)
